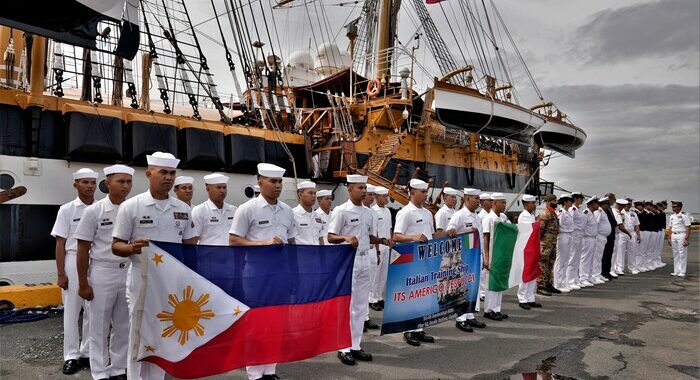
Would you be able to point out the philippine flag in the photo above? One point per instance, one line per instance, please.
(208, 310)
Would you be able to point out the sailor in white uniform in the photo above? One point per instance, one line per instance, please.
(75, 354)
(102, 278)
(492, 299)
(527, 290)
(485, 208)
(368, 201)
(325, 203)
(382, 219)
(308, 225)
(213, 217)
(590, 235)
(572, 267)
(414, 224)
(632, 245)
(444, 214)
(184, 189)
(463, 221)
(622, 237)
(264, 220)
(564, 243)
(352, 223)
(679, 238)
(151, 215)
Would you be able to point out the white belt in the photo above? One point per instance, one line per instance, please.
(110, 264)
(678, 233)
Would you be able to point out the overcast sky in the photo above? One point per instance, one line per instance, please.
(627, 72)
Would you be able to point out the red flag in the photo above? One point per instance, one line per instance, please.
(432, 1)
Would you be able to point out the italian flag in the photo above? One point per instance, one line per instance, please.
(515, 255)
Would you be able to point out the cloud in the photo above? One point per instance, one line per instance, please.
(643, 141)
(647, 30)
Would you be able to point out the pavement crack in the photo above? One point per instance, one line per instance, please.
(621, 358)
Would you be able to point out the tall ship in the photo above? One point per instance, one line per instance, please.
(90, 83)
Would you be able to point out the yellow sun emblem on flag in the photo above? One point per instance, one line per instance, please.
(185, 315)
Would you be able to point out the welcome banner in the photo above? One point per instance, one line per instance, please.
(429, 283)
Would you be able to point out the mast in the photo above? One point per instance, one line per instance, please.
(384, 40)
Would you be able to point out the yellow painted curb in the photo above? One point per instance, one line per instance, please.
(31, 296)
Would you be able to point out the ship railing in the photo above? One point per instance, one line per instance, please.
(400, 63)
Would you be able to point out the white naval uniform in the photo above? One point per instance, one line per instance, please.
(604, 231)
(309, 226)
(619, 219)
(492, 300)
(257, 220)
(168, 220)
(660, 239)
(324, 223)
(589, 241)
(632, 247)
(349, 219)
(466, 221)
(107, 277)
(484, 279)
(412, 220)
(679, 223)
(67, 220)
(527, 290)
(572, 267)
(564, 247)
(212, 223)
(382, 219)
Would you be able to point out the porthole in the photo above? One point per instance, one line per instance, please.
(6, 182)
(249, 191)
(103, 187)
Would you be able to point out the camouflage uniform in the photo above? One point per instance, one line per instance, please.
(549, 223)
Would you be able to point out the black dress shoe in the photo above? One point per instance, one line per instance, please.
(463, 326)
(371, 325)
(118, 377)
(534, 304)
(476, 323)
(502, 315)
(524, 305)
(361, 355)
(270, 377)
(423, 337)
(543, 292)
(552, 289)
(84, 362)
(492, 315)
(70, 367)
(381, 303)
(376, 306)
(410, 338)
(346, 358)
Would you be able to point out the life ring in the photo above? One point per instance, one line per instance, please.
(373, 87)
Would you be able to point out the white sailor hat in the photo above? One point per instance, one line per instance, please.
(256, 188)
(621, 201)
(529, 198)
(379, 190)
(418, 184)
(565, 196)
(323, 193)
(270, 170)
(485, 196)
(593, 199)
(370, 188)
(118, 169)
(85, 173)
(604, 199)
(450, 191)
(356, 178)
(215, 179)
(498, 197)
(676, 202)
(182, 180)
(576, 194)
(163, 159)
(468, 191)
(306, 185)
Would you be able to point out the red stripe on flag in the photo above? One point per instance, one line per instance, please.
(531, 267)
(273, 334)
(432, 1)
(404, 259)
